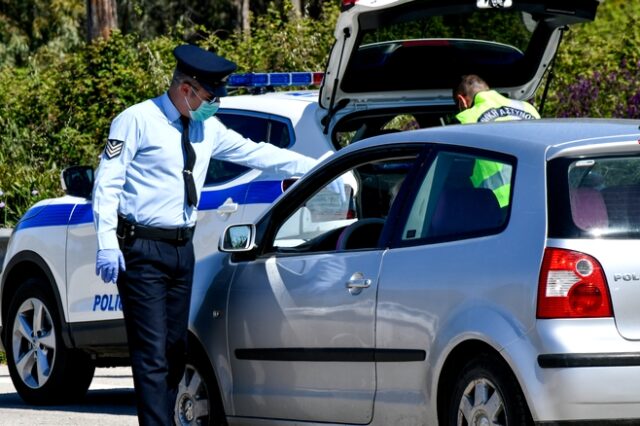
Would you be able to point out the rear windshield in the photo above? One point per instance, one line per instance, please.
(594, 198)
(413, 52)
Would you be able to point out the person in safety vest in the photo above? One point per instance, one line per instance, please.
(479, 104)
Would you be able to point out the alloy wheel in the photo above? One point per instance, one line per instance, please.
(34, 343)
(481, 405)
(192, 404)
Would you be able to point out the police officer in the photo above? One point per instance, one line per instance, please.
(479, 104)
(147, 186)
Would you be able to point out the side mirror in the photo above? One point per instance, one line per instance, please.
(77, 181)
(238, 239)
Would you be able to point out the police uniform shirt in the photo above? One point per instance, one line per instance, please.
(140, 172)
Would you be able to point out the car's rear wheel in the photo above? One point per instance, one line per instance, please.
(486, 394)
(198, 402)
(42, 369)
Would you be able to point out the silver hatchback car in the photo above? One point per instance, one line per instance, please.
(390, 286)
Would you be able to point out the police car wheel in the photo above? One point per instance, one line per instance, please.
(486, 393)
(42, 369)
(198, 401)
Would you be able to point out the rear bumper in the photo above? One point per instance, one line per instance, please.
(581, 394)
(575, 372)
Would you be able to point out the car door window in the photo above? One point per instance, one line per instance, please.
(461, 196)
(257, 127)
(348, 213)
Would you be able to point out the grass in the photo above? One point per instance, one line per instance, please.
(3, 358)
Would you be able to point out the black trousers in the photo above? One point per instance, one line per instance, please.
(155, 291)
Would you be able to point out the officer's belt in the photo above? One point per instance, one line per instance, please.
(130, 230)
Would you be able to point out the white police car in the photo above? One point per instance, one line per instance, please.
(392, 68)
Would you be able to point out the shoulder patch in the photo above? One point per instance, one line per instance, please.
(113, 148)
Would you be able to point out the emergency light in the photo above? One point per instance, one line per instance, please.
(275, 79)
(346, 4)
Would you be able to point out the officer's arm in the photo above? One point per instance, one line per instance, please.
(110, 177)
(232, 146)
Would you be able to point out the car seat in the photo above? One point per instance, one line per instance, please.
(588, 209)
(465, 210)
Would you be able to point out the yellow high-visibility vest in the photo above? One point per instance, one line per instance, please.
(492, 106)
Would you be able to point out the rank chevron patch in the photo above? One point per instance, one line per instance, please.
(113, 148)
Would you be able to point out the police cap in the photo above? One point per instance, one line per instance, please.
(207, 68)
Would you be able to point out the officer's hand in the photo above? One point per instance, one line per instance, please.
(108, 263)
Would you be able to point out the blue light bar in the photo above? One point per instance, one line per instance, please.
(275, 79)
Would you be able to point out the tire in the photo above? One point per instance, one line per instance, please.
(43, 370)
(198, 402)
(486, 394)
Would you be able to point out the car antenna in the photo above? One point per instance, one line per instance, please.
(331, 111)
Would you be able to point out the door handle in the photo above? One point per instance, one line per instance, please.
(227, 207)
(357, 282)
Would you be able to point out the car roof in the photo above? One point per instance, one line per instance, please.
(547, 138)
(289, 104)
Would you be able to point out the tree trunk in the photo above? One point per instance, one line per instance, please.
(246, 26)
(297, 6)
(102, 18)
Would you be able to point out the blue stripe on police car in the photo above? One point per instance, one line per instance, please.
(259, 192)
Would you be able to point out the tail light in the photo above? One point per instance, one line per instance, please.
(572, 285)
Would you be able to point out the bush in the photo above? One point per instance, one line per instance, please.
(281, 41)
(598, 66)
(56, 111)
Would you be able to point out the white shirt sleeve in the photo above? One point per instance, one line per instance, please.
(121, 147)
(233, 147)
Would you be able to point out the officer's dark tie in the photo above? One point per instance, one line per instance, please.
(189, 162)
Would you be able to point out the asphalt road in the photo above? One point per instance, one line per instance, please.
(110, 401)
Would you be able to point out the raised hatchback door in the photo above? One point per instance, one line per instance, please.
(377, 43)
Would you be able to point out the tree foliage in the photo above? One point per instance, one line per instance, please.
(58, 95)
(55, 111)
(27, 26)
(280, 40)
(598, 66)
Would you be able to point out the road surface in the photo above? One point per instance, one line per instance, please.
(110, 401)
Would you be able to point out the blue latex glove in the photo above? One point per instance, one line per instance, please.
(108, 263)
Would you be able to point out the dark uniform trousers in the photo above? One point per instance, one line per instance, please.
(155, 291)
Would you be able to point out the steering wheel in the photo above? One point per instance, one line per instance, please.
(361, 234)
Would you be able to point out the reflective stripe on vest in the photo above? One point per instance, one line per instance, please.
(492, 106)
(491, 174)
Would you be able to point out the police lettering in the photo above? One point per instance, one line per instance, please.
(626, 277)
(505, 111)
(107, 302)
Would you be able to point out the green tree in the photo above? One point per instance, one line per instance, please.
(55, 111)
(598, 66)
(29, 25)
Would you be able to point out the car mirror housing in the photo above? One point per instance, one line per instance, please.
(238, 239)
(77, 181)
